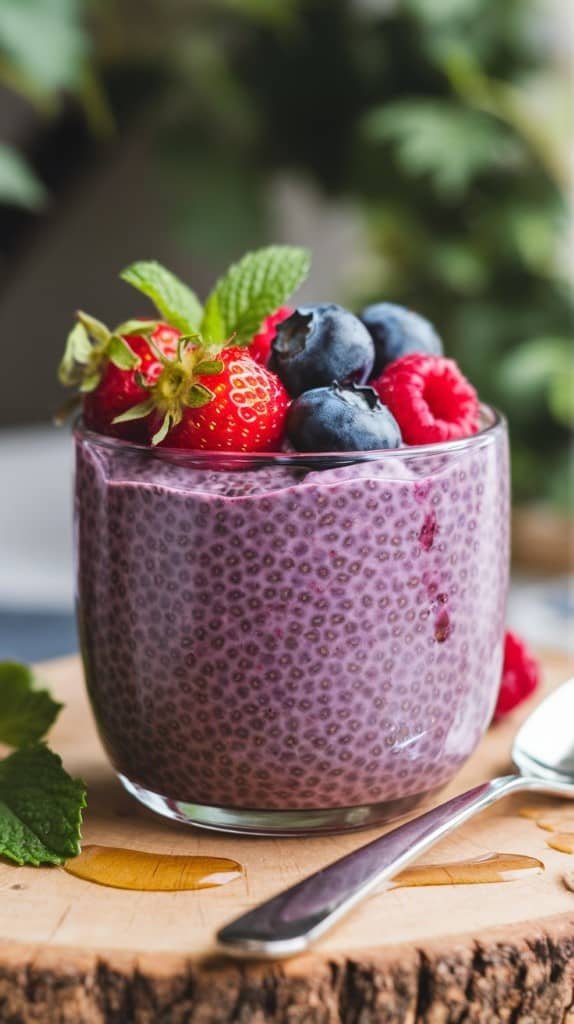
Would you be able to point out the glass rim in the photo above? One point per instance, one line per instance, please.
(496, 423)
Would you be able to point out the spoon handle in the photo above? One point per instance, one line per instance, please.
(289, 922)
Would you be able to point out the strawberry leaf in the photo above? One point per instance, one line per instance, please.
(208, 366)
(96, 328)
(120, 354)
(137, 412)
(90, 382)
(251, 290)
(130, 327)
(177, 303)
(161, 434)
(76, 354)
(197, 396)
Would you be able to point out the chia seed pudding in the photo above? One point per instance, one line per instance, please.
(276, 636)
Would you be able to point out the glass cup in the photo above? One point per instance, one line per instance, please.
(289, 643)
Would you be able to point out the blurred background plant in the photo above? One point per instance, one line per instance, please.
(442, 125)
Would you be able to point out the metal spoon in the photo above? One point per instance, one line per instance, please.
(543, 753)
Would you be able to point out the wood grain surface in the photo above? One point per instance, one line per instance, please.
(75, 952)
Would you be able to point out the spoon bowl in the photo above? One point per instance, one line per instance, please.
(544, 745)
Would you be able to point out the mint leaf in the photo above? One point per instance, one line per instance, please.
(178, 305)
(40, 808)
(251, 290)
(213, 324)
(26, 713)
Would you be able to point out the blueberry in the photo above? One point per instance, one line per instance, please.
(341, 418)
(397, 332)
(318, 344)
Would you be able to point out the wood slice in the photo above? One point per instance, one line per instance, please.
(76, 953)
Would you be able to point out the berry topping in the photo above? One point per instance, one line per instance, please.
(319, 344)
(260, 346)
(222, 403)
(397, 332)
(113, 369)
(430, 399)
(341, 418)
(520, 675)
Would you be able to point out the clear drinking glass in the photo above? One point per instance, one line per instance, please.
(288, 643)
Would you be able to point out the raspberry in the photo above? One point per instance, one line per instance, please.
(520, 675)
(260, 345)
(429, 398)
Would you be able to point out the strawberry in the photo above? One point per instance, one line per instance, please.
(217, 402)
(113, 370)
(260, 345)
(119, 390)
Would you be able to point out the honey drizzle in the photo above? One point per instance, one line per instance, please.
(138, 870)
(560, 823)
(493, 867)
(120, 868)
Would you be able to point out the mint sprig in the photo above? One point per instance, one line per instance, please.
(40, 808)
(40, 805)
(177, 303)
(26, 712)
(251, 290)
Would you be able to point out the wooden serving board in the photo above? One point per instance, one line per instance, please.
(78, 953)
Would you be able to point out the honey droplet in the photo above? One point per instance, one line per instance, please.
(535, 811)
(119, 868)
(556, 822)
(563, 841)
(494, 867)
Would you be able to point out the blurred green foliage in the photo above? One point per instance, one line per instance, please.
(442, 121)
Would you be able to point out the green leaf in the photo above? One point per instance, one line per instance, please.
(121, 355)
(40, 808)
(44, 40)
(161, 434)
(448, 142)
(129, 327)
(213, 324)
(177, 303)
(197, 396)
(96, 328)
(18, 184)
(26, 713)
(251, 290)
(76, 355)
(208, 366)
(90, 382)
(137, 412)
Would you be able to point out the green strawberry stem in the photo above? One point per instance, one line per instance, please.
(178, 387)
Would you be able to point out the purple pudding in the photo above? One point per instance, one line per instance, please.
(288, 643)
